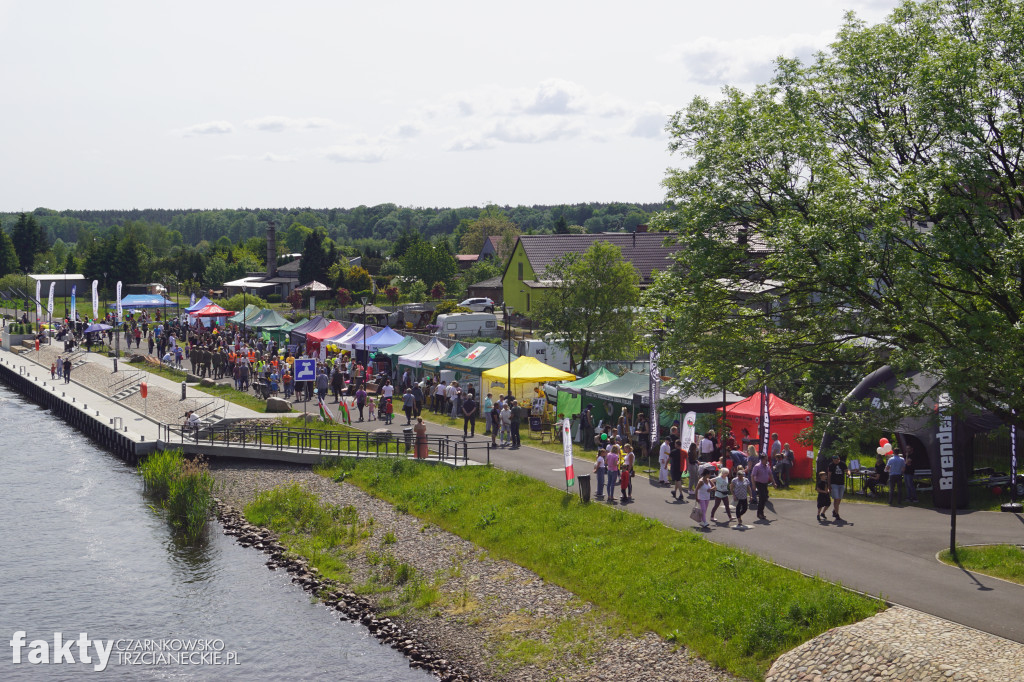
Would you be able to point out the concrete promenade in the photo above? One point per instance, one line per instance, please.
(879, 550)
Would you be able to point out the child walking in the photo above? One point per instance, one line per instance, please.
(824, 498)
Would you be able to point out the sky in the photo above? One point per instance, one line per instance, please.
(246, 104)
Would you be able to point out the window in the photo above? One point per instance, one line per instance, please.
(489, 324)
(520, 272)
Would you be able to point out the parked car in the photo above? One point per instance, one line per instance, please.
(479, 305)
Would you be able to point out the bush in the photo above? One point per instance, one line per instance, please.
(274, 298)
(445, 307)
(183, 487)
(239, 301)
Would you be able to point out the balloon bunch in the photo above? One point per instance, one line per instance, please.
(884, 447)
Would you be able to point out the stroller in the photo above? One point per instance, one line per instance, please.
(261, 387)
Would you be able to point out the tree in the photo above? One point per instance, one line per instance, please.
(437, 291)
(491, 223)
(428, 262)
(344, 297)
(358, 279)
(590, 305)
(314, 265)
(8, 256)
(295, 299)
(29, 238)
(866, 208)
(391, 294)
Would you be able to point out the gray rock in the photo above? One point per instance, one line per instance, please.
(207, 382)
(278, 405)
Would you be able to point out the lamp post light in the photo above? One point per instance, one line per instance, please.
(507, 314)
(366, 358)
(243, 312)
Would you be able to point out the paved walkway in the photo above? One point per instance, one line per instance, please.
(879, 550)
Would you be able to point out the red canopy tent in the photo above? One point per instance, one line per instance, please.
(212, 310)
(313, 339)
(786, 420)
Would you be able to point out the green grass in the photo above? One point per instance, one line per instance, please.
(736, 610)
(998, 561)
(226, 392)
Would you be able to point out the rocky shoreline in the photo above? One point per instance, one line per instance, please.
(494, 620)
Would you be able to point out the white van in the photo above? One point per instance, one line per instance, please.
(467, 324)
(552, 354)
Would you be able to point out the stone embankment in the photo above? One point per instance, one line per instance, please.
(494, 620)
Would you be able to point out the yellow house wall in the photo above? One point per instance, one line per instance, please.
(513, 289)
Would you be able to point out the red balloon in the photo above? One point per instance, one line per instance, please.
(883, 442)
(997, 491)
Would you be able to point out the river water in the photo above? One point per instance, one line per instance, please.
(81, 551)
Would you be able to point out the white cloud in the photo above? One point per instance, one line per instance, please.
(208, 128)
(356, 153)
(651, 125)
(473, 142)
(279, 124)
(527, 131)
(716, 61)
(409, 129)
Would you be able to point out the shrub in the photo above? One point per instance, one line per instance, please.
(183, 487)
(274, 298)
(445, 307)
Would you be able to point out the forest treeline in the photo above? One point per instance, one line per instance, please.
(384, 222)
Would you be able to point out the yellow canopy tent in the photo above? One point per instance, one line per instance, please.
(525, 371)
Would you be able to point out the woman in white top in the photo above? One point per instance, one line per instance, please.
(704, 488)
(663, 463)
(721, 483)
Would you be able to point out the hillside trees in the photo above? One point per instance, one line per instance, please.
(865, 208)
(29, 239)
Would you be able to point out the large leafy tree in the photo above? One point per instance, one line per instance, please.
(590, 306)
(862, 209)
(492, 223)
(429, 262)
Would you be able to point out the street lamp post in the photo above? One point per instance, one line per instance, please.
(66, 315)
(366, 358)
(243, 312)
(507, 313)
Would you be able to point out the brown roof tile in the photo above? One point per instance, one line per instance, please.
(647, 251)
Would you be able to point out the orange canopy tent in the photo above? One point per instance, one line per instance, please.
(212, 310)
(787, 420)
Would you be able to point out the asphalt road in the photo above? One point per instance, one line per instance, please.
(880, 550)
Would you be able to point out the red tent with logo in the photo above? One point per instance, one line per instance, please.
(314, 339)
(212, 310)
(787, 420)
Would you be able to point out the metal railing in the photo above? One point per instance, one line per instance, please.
(123, 382)
(323, 442)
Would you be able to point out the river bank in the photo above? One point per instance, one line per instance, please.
(494, 619)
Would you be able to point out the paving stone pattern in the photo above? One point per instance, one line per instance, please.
(905, 645)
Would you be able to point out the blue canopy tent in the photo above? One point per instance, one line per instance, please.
(96, 328)
(198, 305)
(384, 338)
(136, 301)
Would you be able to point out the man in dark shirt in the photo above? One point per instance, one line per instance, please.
(837, 483)
(468, 416)
(516, 418)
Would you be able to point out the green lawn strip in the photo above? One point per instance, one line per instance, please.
(998, 561)
(736, 610)
(226, 392)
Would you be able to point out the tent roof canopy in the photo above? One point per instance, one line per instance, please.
(331, 330)
(478, 357)
(620, 390)
(777, 408)
(601, 376)
(384, 338)
(404, 347)
(526, 370)
(432, 351)
(212, 310)
(145, 301)
(198, 305)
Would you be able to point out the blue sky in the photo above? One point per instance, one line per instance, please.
(226, 104)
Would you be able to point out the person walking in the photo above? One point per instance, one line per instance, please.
(721, 483)
(360, 401)
(488, 408)
(663, 460)
(837, 483)
(408, 402)
(67, 370)
(626, 472)
(704, 488)
(909, 470)
(675, 460)
(762, 478)
(824, 499)
(420, 431)
(506, 424)
(692, 466)
(740, 488)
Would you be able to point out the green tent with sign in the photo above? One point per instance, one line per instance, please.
(475, 360)
(280, 334)
(267, 319)
(609, 398)
(569, 402)
(250, 312)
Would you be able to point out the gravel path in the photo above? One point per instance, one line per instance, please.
(488, 606)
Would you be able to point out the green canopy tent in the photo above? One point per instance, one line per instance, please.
(267, 319)
(403, 347)
(569, 402)
(609, 398)
(280, 334)
(243, 316)
(476, 360)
